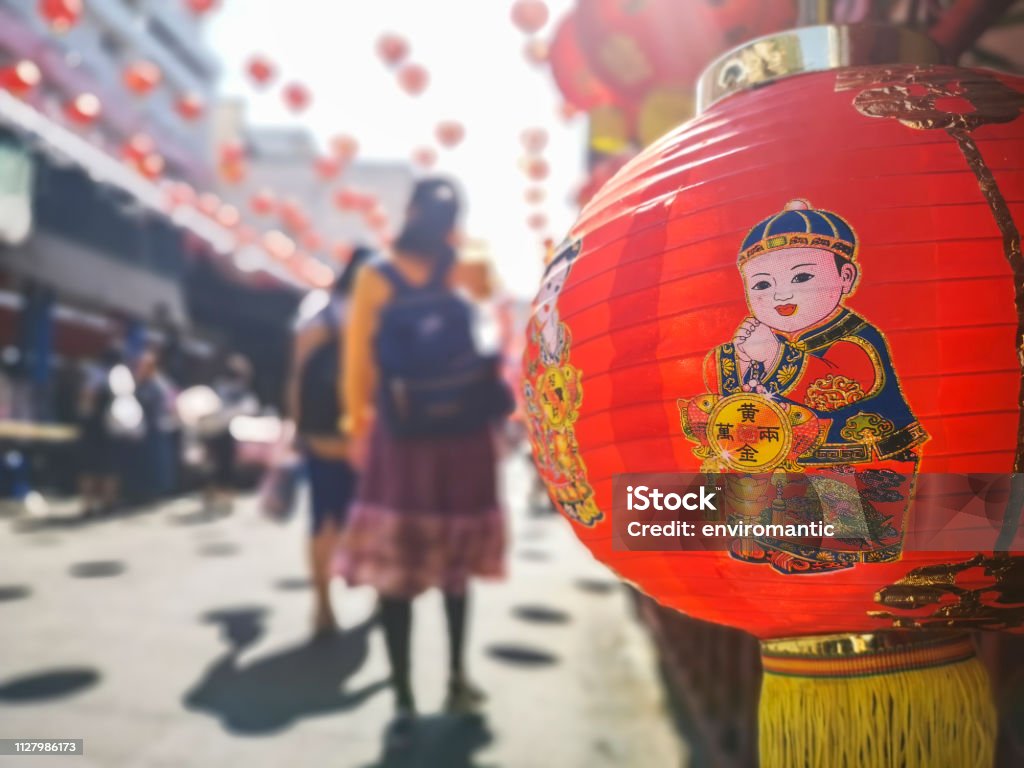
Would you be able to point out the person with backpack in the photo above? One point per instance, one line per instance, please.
(313, 406)
(423, 402)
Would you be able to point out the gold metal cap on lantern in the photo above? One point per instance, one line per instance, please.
(811, 49)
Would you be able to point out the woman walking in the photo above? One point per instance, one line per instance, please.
(313, 406)
(424, 401)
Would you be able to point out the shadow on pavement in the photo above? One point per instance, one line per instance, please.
(439, 741)
(13, 592)
(97, 569)
(521, 655)
(540, 614)
(272, 692)
(597, 586)
(50, 684)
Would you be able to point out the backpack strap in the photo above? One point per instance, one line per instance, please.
(437, 282)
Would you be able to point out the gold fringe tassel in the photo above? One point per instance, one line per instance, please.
(932, 717)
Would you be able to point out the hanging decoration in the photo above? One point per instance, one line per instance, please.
(392, 49)
(328, 167)
(450, 133)
(61, 15)
(297, 96)
(201, 7)
(534, 140)
(536, 168)
(83, 109)
(535, 195)
(261, 70)
(537, 221)
(189, 106)
(20, 78)
(141, 77)
(425, 157)
(344, 147)
(413, 79)
(529, 16)
(263, 202)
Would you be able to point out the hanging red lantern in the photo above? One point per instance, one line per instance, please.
(292, 215)
(189, 106)
(534, 140)
(263, 202)
(61, 15)
(328, 167)
(537, 221)
(393, 49)
(84, 109)
(142, 77)
(342, 252)
(413, 78)
(200, 7)
(228, 216)
(209, 204)
(529, 16)
(150, 166)
(279, 245)
(20, 78)
(536, 51)
(424, 157)
(138, 146)
(297, 96)
(232, 162)
(312, 241)
(261, 70)
(346, 199)
(573, 75)
(450, 133)
(535, 195)
(769, 294)
(376, 218)
(344, 147)
(179, 194)
(537, 168)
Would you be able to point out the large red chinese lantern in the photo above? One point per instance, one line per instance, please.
(813, 290)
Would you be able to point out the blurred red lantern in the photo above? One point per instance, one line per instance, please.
(344, 146)
(179, 193)
(450, 133)
(228, 216)
(424, 157)
(346, 199)
(537, 168)
(232, 162)
(529, 15)
(571, 71)
(84, 109)
(292, 215)
(261, 70)
(138, 146)
(537, 221)
(232, 152)
(142, 77)
(328, 167)
(61, 15)
(297, 96)
(413, 78)
(312, 241)
(535, 195)
(20, 78)
(342, 253)
(536, 51)
(263, 202)
(189, 106)
(366, 202)
(879, 338)
(209, 204)
(392, 49)
(567, 111)
(151, 166)
(377, 218)
(279, 245)
(199, 7)
(534, 140)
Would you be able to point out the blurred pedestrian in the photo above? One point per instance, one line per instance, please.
(313, 405)
(233, 388)
(158, 463)
(98, 446)
(422, 401)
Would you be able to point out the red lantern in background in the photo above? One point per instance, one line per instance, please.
(61, 15)
(179, 193)
(293, 217)
(142, 77)
(377, 218)
(425, 157)
(261, 70)
(140, 152)
(534, 140)
(189, 106)
(344, 146)
(529, 16)
(279, 245)
(535, 195)
(231, 163)
(20, 78)
(450, 133)
(536, 51)
(200, 7)
(312, 241)
(571, 71)
(228, 217)
(700, 284)
(537, 168)
(83, 110)
(537, 221)
(263, 202)
(413, 78)
(393, 49)
(346, 199)
(297, 96)
(209, 204)
(341, 253)
(138, 146)
(328, 168)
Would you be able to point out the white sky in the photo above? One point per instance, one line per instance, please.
(479, 76)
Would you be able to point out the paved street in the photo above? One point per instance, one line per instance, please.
(166, 638)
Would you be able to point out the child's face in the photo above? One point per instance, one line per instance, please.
(794, 288)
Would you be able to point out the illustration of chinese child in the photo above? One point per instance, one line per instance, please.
(808, 385)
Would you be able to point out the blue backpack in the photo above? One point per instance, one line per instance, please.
(433, 382)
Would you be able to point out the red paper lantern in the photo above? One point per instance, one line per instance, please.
(344, 146)
(20, 78)
(535, 195)
(261, 70)
(228, 216)
(342, 253)
(450, 133)
(413, 78)
(536, 51)
(209, 204)
(537, 168)
(393, 49)
(263, 202)
(297, 96)
(537, 221)
(328, 168)
(190, 106)
(293, 217)
(874, 325)
(534, 140)
(346, 199)
(376, 218)
(83, 110)
(61, 15)
(200, 7)
(279, 245)
(571, 71)
(138, 146)
(142, 77)
(425, 157)
(312, 241)
(529, 15)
